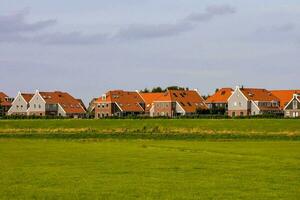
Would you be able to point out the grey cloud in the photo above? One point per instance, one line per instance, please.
(211, 12)
(283, 28)
(70, 38)
(278, 28)
(16, 23)
(167, 30)
(14, 28)
(134, 32)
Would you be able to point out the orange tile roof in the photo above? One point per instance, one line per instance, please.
(255, 94)
(221, 96)
(149, 98)
(27, 96)
(3, 97)
(128, 101)
(189, 100)
(284, 96)
(67, 102)
(3, 100)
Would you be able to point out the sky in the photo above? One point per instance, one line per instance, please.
(89, 47)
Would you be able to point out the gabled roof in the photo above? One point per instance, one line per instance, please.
(3, 100)
(189, 100)
(284, 96)
(128, 101)
(66, 101)
(221, 96)
(27, 96)
(149, 98)
(255, 94)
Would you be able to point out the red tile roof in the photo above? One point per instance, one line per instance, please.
(3, 100)
(126, 100)
(27, 96)
(221, 96)
(149, 98)
(284, 96)
(67, 102)
(189, 100)
(3, 97)
(255, 94)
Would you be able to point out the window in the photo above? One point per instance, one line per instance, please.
(40, 106)
(242, 114)
(34, 105)
(295, 104)
(233, 114)
(235, 103)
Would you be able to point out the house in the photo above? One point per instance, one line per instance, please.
(252, 101)
(5, 103)
(177, 103)
(149, 99)
(292, 108)
(119, 103)
(219, 100)
(55, 103)
(284, 96)
(91, 108)
(20, 104)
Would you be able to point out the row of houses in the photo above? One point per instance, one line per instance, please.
(253, 101)
(170, 103)
(55, 103)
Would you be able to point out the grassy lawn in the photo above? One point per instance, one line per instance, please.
(148, 169)
(150, 159)
(187, 126)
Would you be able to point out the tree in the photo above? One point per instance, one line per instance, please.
(157, 89)
(146, 90)
(175, 88)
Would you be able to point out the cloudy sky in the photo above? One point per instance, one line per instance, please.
(88, 47)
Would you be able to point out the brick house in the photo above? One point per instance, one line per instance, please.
(119, 103)
(292, 108)
(252, 101)
(284, 96)
(20, 104)
(55, 103)
(177, 102)
(149, 99)
(5, 104)
(219, 99)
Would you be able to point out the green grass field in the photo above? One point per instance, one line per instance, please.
(117, 161)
